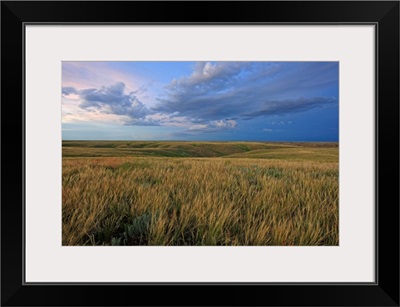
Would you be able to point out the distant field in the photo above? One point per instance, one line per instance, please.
(199, 193)
(291, 151)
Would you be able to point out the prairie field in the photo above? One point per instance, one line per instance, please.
(200, 193)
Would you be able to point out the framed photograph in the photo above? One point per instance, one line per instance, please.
(246, 152)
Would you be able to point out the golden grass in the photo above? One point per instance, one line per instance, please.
(199, 201)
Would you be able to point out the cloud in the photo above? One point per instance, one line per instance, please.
(113, 100)
(225, 123)
(93, 74)
(213, 91)
(243, 90)
(208, 75)
(281, 107)
(67, 90)
(215, 96)
(214, 125)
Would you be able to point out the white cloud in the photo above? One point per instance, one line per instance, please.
(228, 123)
(198, 127)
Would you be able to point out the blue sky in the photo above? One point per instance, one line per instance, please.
(213, 101)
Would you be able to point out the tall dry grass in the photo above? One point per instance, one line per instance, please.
(198, 201)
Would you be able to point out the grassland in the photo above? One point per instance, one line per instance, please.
(199, 193)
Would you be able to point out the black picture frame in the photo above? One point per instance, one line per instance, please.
(383, 14)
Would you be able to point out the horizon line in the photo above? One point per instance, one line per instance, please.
(121, 140)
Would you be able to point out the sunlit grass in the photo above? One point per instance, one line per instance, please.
(226, 200)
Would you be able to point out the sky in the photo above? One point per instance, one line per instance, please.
(203, 101)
